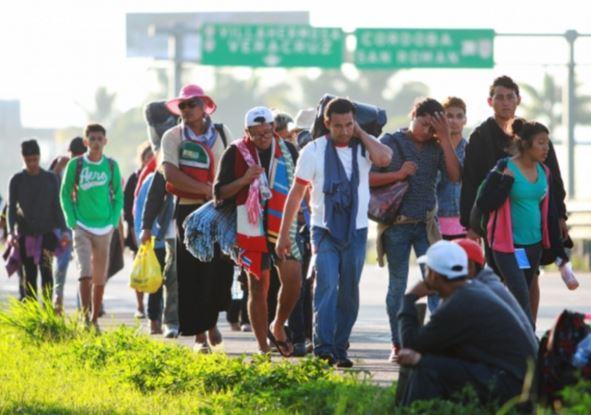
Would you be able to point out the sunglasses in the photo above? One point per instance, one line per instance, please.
(192, 103)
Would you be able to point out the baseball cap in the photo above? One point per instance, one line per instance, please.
(447, 259)
(472, 249)
(258, 116)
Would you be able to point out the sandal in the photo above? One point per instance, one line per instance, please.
(285, 348)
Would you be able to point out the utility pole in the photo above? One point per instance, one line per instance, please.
(569, 111)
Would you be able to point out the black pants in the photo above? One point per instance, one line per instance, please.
(204, 287)
(519, 280)
(155, 303)
(30, 269)
(439, 377)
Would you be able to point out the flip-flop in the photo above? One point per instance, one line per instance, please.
(280, 345)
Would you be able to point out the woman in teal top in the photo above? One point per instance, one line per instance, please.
(520, 269)
(525, 196)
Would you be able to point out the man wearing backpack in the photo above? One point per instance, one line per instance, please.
(189, 156)
(92, 201)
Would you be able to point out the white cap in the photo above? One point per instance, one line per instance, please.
(258, 116)
(447, 259)
(304, 119)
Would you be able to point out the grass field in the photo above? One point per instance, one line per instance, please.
(52, 365)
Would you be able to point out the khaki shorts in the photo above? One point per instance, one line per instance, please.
(92, 252)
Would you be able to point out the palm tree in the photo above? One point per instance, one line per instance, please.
(545, 104)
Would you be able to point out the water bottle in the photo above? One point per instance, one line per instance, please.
(583, 353)
(237, 293)
(566, 272)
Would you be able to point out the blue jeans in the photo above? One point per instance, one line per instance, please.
(61, 268)
(397, 241)
(336, 296)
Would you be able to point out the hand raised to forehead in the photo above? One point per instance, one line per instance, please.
(440, 125)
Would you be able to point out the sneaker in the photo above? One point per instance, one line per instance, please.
(202, 348)
(171, 333)
(139, 314)
(299, 350)
(394, 354)
(309, 346)
(328, 358)
(344, 363)
(246, 328)
(234, 326)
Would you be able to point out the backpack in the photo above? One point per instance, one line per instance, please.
(79, 165)
(220, 129)
(557, 347)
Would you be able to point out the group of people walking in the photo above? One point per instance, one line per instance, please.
(301, 225)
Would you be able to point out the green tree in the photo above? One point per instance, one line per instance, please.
(545, 104)
(103, 111)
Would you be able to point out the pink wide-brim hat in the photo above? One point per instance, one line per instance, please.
(188, 92)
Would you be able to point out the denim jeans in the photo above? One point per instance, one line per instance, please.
(61, 268)
(336, 296)
(397, 242)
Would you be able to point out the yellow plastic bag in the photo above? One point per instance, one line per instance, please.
(146, 275)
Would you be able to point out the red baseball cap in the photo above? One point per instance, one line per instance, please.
(473, 250)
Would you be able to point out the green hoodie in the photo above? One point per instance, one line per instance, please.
(94, 208)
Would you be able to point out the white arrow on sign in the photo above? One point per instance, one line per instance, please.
(272, 60)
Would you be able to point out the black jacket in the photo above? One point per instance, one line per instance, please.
(128, 200)
(488, 144)
(497, 189)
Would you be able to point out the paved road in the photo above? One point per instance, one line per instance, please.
(370, 343)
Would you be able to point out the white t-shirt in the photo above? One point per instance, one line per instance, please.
(310, 169)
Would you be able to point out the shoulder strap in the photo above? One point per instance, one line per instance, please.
(112, 171)
(220, 129)
(79, 163)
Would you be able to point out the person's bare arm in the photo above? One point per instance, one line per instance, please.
(231, 189)
(184, 182)
(377, 179)
(452, 164)
(292, 205)
(379, 154)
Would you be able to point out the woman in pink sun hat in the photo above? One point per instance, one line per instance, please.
(188, 93)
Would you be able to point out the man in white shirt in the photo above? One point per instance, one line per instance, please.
(336, 166)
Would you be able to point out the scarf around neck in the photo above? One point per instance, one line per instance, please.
(340, 194)
(253, 236)
(208, 138)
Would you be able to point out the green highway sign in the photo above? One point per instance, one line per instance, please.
(271, 45)
(424, 48)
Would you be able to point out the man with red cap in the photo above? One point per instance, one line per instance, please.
(189, 156)
(479, 272)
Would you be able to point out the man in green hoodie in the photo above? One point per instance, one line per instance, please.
(92, 200)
